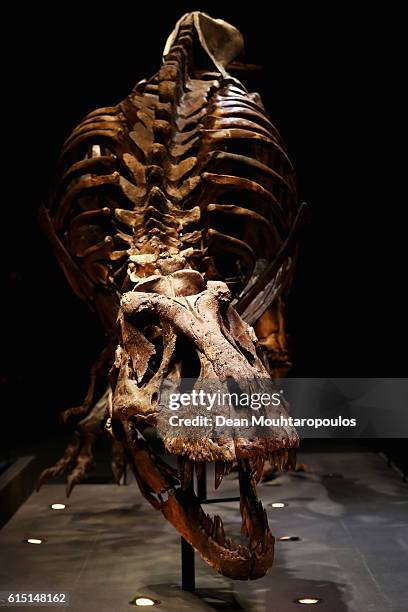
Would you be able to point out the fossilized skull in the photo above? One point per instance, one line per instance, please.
(177, 327)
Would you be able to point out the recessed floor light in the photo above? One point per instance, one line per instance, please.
(308, 601)
(144, 602)
(278, 504)
(289, 538)
(333, 475)
(58, 506)
(34, 540)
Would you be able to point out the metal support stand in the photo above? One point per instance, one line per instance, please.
(187, 551)
(187, 567)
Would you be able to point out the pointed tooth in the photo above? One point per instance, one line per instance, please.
(245, 523)
(259, 468)
(180, 465)
(229, 543)
(214, 529)
(218, 473)
(187, 474)
(282, 459)
(198, 469)
(209, 525)
(256, 468)
(273, 460)
(278, 460)
(259, 548)
(292, 459)
(220, 530)
(221, 535)
(253, 544)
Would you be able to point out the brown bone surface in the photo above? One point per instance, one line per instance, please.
(175, 218)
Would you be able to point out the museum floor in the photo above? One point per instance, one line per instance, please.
(350, 511)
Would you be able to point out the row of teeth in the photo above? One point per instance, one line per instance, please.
(282, 459)
(186, 470)
(214, 528)
(255, 544)
(279, 459)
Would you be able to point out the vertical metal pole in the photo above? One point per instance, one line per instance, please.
(187, 567)
(187, 551)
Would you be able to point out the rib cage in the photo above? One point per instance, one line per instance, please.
(187, 167)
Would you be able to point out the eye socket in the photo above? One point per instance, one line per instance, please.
(186, 361)
(223, 306)
(186, 354)
(146, 322)
(152, 332)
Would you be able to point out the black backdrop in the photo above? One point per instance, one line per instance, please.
(330, 83)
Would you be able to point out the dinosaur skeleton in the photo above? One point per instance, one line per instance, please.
(175, 218)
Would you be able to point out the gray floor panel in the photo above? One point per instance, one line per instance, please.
(109, 545)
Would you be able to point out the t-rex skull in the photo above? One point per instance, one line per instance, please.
(174, 327)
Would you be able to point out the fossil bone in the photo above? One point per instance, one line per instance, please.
(173, 212)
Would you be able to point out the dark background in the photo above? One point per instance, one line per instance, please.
(331, 82)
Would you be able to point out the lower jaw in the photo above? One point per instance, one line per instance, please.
(182, 508)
